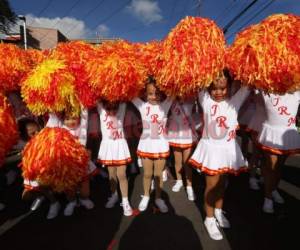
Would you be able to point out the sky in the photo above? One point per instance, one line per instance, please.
(142, 20)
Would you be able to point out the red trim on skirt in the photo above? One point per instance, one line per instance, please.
(152, 155)
(224, 170)
(115, 163)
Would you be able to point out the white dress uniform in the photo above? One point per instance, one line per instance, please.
(113, 150)
(153, 143)
(181, 127)
(218, 151)
(279, 133)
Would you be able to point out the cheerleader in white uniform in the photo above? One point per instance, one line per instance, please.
(218, 152)
(153, 147)
(114, 152)
(77, 126)
(278, 139)
(182, 137)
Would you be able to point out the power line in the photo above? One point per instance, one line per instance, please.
(42, 10)
(247, 22)
(220, 16)
(225, 29)
(85, 16)
(172, 13)
(112, 14)
(65, 14)
(46, 7)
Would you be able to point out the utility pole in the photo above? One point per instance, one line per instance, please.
(23, 18)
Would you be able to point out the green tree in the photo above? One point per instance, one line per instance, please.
(7, 16)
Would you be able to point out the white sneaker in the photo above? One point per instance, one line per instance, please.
(112, 201)
(69, 210)
(222, 220)
(212, 228)
(178, 185)
(144, 203)
(160, 203)
(277, 197)
(37, 203)
(165, 175)
(268, 206)
(53, 210)
(139, 162)
(11, 177)
(2, 206)
(190, 193)
(127, 210)
(253, 183)
(87, 203)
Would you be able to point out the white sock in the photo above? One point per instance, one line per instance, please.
(125, 200)
(209, 219)
(218, 210)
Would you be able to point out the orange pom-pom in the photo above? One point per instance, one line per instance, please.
(8, 128)
(267, 55)
(13, 67)
(117, 74)
(56, 159)
(192, 56)
(149, 54)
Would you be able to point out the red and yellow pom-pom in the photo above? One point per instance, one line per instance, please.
(120, 47)
(13, 67)
(56, 159)
(192, 56)
(8, 128)
(267, 55)
(76, 54)
(50, 88)
(35, 57)
(149, 54)
(117, 75)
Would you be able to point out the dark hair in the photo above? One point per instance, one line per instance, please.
(151, 80)
(22, 124)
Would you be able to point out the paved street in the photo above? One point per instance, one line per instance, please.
(181, 228)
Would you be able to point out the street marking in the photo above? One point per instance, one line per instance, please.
(290, 189)
(12, 222)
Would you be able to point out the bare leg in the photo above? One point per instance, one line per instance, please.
(187, 168)
(178, 155)
(159, 165)
(121, 174)
(148, 173)
(270, 174)
(220, 191)
(210, 194)
(112, 171)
